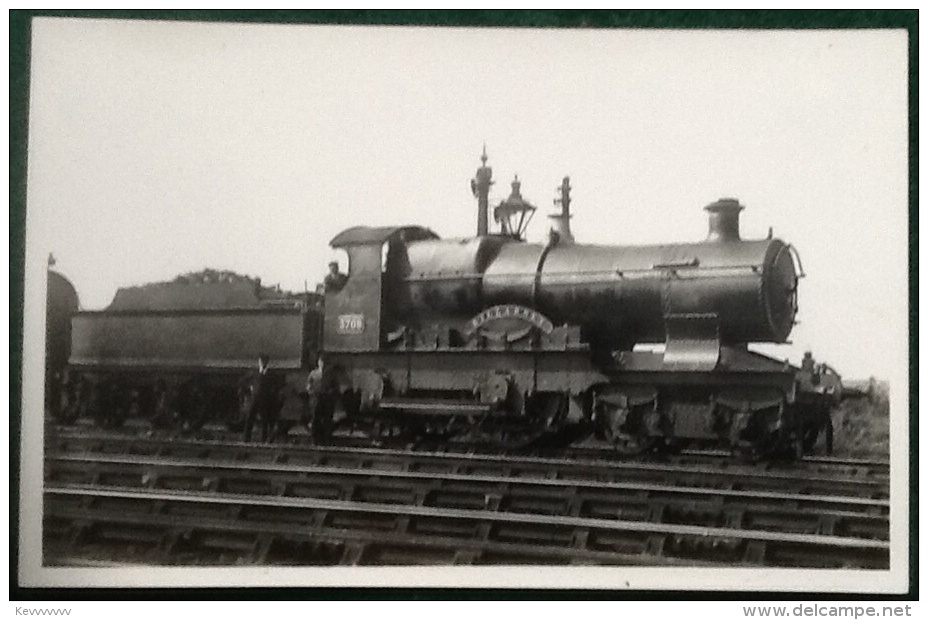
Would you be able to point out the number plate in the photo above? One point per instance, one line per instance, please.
(351, 324)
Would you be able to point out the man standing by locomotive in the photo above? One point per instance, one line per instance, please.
(314, 392)
(262, 401)
(335, 280)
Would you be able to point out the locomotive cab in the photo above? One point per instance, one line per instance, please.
(354, 317)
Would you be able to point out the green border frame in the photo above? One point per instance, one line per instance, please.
(20, 42)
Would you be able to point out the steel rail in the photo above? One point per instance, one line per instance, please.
(204, 465)
(873, 466)
(878, 470)
(517, 466)
(599, 452)
(843, 516)
(421, 548)
(224, 499)
(590, 456)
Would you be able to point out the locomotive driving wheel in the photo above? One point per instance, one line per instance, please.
(625, 429)
(394, 431)
(507, 433)
(521, 422)
(552, 409)
(813, 428)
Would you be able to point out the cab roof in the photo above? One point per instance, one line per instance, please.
(378, 235)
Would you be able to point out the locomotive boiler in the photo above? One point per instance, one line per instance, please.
(725, 288)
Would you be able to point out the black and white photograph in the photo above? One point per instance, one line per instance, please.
(364, 306)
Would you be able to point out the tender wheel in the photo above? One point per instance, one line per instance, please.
(243, 398)
(69, 403)
(67, 415)
(69, 409)
(196, 410)
(111, 410)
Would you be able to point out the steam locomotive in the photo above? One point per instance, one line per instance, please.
(489, 338)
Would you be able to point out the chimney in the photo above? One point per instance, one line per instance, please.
(480, 186)
(723, 220)
(561, 225)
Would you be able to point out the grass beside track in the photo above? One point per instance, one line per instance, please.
(862, 426)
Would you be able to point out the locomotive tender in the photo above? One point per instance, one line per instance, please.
(175, 352)
(61, 303)
(496, 338)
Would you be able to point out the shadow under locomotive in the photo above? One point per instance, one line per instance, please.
(488, 338)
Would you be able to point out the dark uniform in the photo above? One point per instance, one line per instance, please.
(335, 280)
(263, 402)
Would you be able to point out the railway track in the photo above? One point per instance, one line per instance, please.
(710, 471)
(590, 450)
(274, 504)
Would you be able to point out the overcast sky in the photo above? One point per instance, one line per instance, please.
(159, 148)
